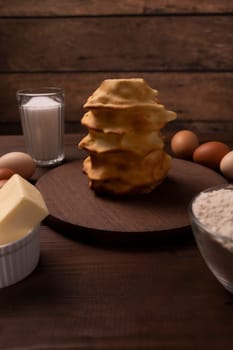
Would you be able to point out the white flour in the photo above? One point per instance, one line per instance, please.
(214, 209)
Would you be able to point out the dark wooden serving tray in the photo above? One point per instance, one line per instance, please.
(72, 203)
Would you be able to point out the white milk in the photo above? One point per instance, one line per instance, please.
(42, 121)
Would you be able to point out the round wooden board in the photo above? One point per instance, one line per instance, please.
(70, 201)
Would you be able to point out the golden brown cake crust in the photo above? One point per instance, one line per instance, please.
(124, 141)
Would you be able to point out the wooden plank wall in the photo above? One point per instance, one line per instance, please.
(182, 48)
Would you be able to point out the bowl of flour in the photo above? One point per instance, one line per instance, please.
(211, 216)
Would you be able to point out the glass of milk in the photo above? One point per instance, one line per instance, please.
(42, 119)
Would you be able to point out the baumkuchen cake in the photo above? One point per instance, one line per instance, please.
(126, 148)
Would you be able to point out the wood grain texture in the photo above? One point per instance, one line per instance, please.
(89, 297)
(106, 7)
(123, 218)
(76, 44)
(177, 43)
(194, 96)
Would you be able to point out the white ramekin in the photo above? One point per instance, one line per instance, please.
(19, 258)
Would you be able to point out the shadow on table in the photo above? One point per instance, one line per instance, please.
(160, 240)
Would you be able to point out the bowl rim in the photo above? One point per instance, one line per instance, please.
(193, 217)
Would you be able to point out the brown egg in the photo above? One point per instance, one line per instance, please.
(20, 162)
(210, 154)
(226, 165)
(6, 173)
(183, 143)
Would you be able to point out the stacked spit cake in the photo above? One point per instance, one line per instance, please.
(124, 142)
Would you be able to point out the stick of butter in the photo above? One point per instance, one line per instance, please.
(22, 208)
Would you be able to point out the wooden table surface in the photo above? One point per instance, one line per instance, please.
(95, 296)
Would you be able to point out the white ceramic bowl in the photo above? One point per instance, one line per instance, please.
(216, 249)
(18, 259)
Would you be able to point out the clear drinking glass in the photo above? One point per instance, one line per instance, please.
(42, 118)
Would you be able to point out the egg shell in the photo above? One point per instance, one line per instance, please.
(226, 165)
(210, 154)
(183, 143)
(6, 173)
(20, 162)
(2, 182)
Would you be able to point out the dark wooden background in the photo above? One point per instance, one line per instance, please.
(182, 48)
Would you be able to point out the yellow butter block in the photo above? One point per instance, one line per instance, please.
(22, 208)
